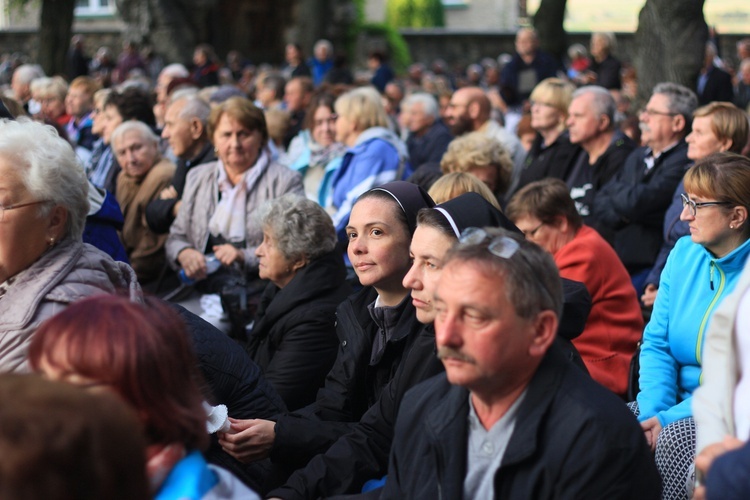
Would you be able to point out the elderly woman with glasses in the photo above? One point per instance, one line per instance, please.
(44, 264)
(547, 215)
(701, 270)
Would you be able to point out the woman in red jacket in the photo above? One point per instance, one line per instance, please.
(546, 214)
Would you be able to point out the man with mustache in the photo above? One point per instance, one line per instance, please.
(632, 204)
(511, 417)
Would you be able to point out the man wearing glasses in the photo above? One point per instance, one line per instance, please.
(511, 417)
(633, 203)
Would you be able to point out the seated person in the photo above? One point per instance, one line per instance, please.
(455, 184)
(547, 215)
(490, 426)
(483, 156)
(700, 272)
(293, 338)
(75, 444)
(140, 352)
(143, 176)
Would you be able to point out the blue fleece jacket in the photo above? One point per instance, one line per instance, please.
(692, 285)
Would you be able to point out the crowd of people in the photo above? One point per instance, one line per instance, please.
(301, 282)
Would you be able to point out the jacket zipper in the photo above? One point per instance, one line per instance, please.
(704, 321)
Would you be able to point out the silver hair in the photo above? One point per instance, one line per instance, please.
(49, 169)
(301, 228)
(604, 103)
(324, 43)
(610, 41)
(194, 107)
(182, 93)
(429, 103)
(530, 277)
(25, 73)
(133, 126)
(682, 100)
(47, 86)
(175, 70)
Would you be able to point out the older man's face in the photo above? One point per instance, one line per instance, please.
(416, 120)
(584, 123)
(659, 127)
(180, 132)
(483, 343)
(135, 153)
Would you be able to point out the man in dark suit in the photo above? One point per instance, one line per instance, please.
(714, 84)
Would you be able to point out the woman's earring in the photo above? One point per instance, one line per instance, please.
(51, 242)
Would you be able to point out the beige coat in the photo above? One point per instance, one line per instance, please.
(144, 247)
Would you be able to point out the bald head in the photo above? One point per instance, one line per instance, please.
(468, 110)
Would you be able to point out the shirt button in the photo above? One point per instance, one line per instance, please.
(488, 448)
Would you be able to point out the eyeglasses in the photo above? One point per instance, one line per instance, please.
(20, 205)
(530, 234)
(500, 246)
(693, 206)
(653, 112)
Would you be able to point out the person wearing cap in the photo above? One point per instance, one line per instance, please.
(376, 327)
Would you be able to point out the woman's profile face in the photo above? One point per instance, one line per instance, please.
(237, 146)
(378, 244)
(324, 126)
(702, 141)
(272, 264)
(710, 225)
(24, 234)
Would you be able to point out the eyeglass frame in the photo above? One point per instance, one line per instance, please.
(20, 205)
(694, 206)
(530, 234)
(651, 112)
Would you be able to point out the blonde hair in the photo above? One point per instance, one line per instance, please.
(49, 87)
(477, 150)
(727, 122)
(554, 92)
(455, 184)
(363, 107)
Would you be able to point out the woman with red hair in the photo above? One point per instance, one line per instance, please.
(142, 353)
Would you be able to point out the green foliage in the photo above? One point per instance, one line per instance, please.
(415, 13)
(397, 46)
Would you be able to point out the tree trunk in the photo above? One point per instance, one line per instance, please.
(55, 27)
(548, 22)
(669, 44)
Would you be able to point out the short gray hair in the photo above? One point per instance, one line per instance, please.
(301, 228)
(429, 103)
(530, 277)
(604, 103)
(133, 126)
(682, 100)
(49, 169)
(175, 70)
(194, 107)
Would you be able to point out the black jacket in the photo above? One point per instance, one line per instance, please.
(572, 439)
(430, 147)
(607, 73)
(556, 160)
(718, 87)
(586, 180)
(633, 204)
(363, 454)
(351, 387)
(159, 212)
(294, 338)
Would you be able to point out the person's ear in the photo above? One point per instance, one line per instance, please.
(562, 223)
(726, 145)
(545, 329)
(678, 124)
(738, 218)
(58, 219)
(473, 109)
(604, 123)
(197, 129)
(298, 264)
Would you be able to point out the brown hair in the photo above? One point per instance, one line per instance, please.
(545, 200)
(242, 110)
(477, 150)
(58, 442)
(455, 184)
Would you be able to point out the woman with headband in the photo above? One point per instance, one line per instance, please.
(375, 327)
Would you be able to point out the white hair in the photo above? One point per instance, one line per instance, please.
(25, 73)
(175, 70)
(49, 169)
(134, 126)
(194, 107)
(429, 104)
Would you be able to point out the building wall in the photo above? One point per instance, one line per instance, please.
(465, 15)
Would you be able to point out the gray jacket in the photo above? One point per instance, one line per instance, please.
(190, 228)
(70, 271)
